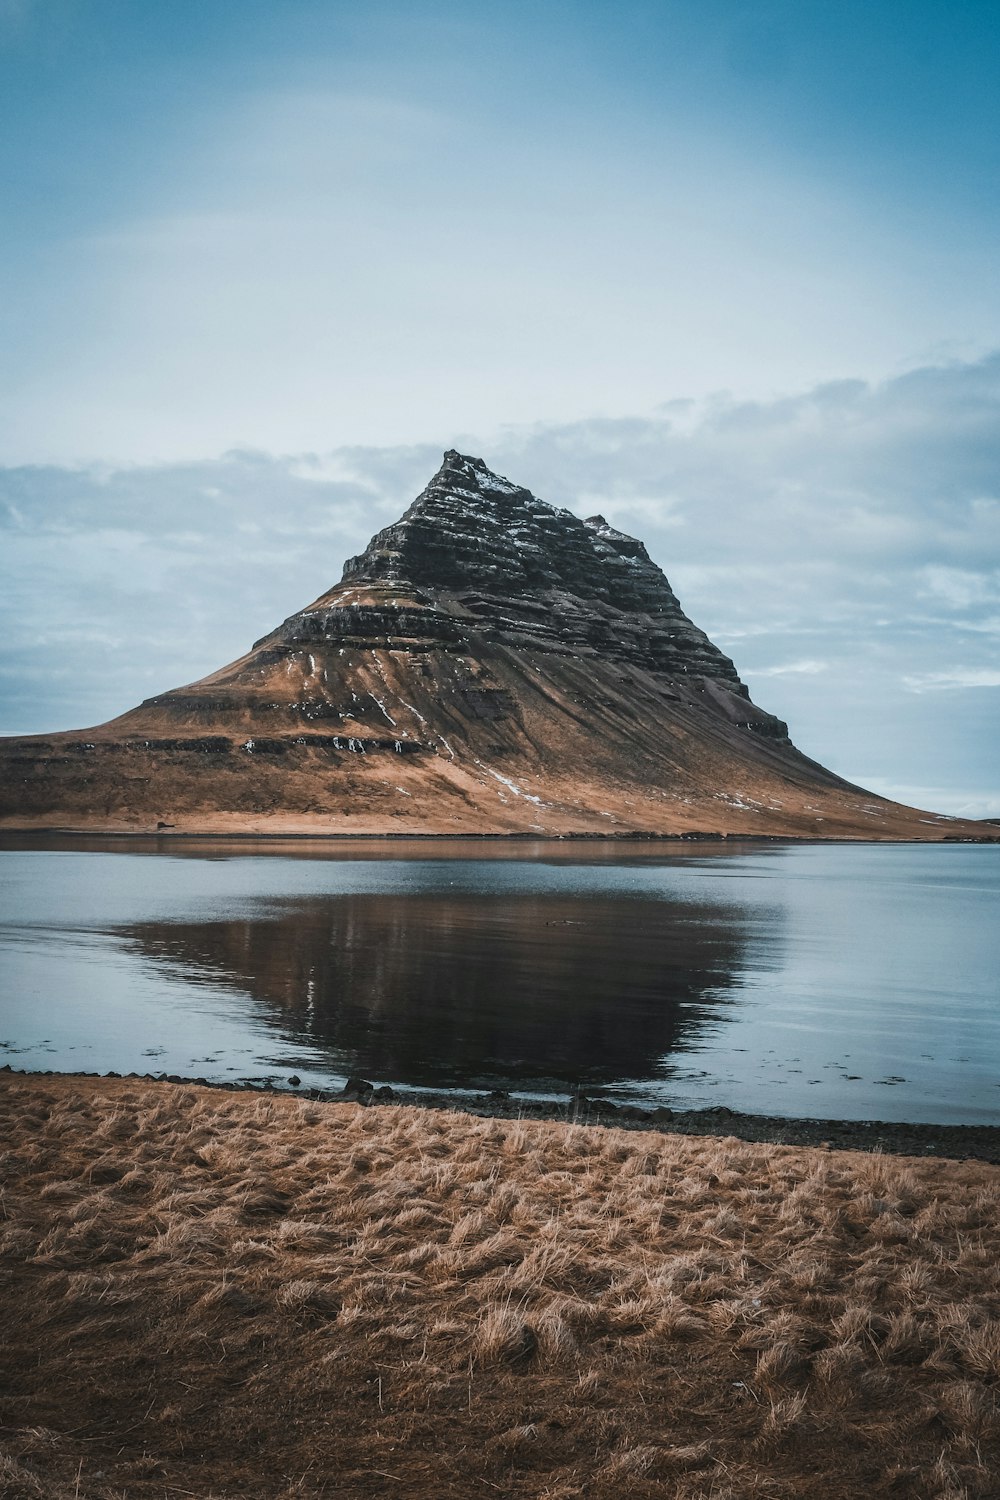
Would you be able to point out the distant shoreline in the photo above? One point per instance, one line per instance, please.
(217, 836)
(894, 1138)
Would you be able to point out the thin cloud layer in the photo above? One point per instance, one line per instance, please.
(843, 544)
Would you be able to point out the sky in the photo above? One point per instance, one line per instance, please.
(727, 272)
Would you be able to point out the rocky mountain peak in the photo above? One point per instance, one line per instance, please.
(471, 528)
(459, 469)
(475, 545)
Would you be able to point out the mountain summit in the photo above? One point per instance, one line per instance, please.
(489, 664)
(478, 553)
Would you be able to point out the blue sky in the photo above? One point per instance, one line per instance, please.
(728, 270)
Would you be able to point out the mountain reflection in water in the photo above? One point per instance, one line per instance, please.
(466, 989)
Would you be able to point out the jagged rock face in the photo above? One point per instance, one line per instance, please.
(526, 572)
(489, 664)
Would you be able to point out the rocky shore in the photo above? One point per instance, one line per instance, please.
(897, 1138)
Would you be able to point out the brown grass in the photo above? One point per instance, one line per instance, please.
(221, 1295)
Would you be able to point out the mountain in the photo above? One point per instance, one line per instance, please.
(489, 664)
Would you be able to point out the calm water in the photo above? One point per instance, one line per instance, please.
(855, 982)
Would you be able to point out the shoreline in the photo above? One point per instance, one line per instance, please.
(890, 1137)
(693, 836)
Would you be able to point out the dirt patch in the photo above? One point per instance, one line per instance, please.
(210, 1293)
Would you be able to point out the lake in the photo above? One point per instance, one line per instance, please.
(834, 981)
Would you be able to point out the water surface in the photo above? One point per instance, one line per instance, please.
(856, 982)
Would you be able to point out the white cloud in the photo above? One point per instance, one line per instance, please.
(961, 587)
(945, 799)
(808, 667)
(957, 677)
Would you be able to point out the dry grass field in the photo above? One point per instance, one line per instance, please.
(213, 1294)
